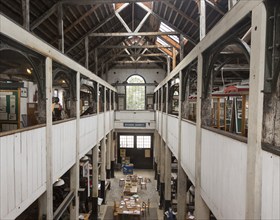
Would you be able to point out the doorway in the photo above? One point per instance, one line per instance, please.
(136, 149)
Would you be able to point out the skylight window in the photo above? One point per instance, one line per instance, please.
(162, 42)
(165, 28)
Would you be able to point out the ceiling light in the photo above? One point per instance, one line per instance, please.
(28, 71)
(63, 81)
(59, 182)
(85, 158)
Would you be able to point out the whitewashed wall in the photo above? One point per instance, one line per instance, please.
(172, 134)
(22, 171)
(64, 147)
(270, 186)
(223, 175)
(147, 117)
(188, 131)
(100, 126)
(150, 75)
(88, 129)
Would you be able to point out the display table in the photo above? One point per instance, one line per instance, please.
(130, 190)
(129, 208)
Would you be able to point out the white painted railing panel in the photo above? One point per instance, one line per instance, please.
(88, 129)
(223, 175)
(188, 149)
(164, 119)
(172, 134)
(22, 171)
(100, 126)
(107, 122)
(270, 186)
(64, 147)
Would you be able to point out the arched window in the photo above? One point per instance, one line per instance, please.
(135, 95)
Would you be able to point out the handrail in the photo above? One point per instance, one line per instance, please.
(62, 121)
(20, 130)
(189, 121)
(227, 134)
(88, 116)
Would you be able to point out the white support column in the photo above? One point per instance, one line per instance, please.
(74, 172)
(167, 160)
(60, 28)
(202, 19)
(181, 177)
(161, 156)
(255, 118)
(201, 209)
(49, 145)
(112, 144)
(103, 153)
(94, 192)
(95, 165)
(109, 143)
(167, 178)
(26, 14)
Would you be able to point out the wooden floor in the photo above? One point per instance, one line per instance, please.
(116, 191)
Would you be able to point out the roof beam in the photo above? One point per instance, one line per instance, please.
(94, 29)
(142, 22)
(172, 6)
(26, 14)
(165, 50)
(140, 62)
(43, 17)
(190, 39)
(215, 7)
(122, 21)
(142, 55)
(170, 41)
(125, 34)
(89, 12)
(133, 46)
(91, 2)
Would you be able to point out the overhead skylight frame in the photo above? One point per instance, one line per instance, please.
(165, 28)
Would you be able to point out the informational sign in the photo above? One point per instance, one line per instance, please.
(134, 124)
(147, 153)
(122, 153)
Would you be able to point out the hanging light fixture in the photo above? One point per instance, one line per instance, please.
(59, 182)
(29, 71)
(85, 158)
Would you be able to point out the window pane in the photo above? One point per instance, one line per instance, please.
(126, 141)
(135, 95)
(143, 141)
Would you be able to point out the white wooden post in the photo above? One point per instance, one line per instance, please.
(201, 209)
(74, 172)
(255, 118)
(49, 145)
